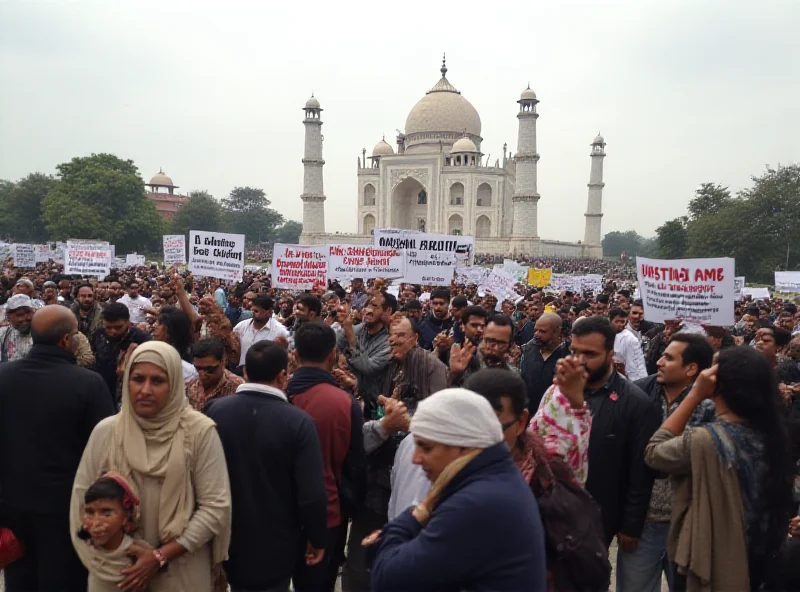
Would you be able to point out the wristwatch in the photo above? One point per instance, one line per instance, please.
(162, 561)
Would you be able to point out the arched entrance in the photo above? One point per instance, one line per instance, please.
(483, 227)
(406, 209)
(455, 225)
(369, 224)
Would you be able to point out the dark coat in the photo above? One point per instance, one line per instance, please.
(430, 327)
(107, 354)
(538, 372)
(484, 535)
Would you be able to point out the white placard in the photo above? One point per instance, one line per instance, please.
(500, 283)
(756, 293)
(577, 283)
(787, 281)
(24, 255)
(297, 267)
(421, 242)
(44, 253)
(174, 249)
(738, 287)
(699, 290)
(216, 254)
(365, 261)
(87, 258)
(430, 268)
(134, 260)
(471, 275)
(520, 272)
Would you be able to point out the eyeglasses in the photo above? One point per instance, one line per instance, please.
(495, 343)
(207, 369)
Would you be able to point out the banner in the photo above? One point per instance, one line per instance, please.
(699, 290)
(471, 275)
(520, 272)
(577, 283)
(87, 258)
(297, 267)
(24, 255)
(421, 242)
(756, 293)
(787, 281)
(539, 278)
(738, 286)
(44, 253)
(216, 254)
(365, 261)
(134, 260)
(500, 283)
(174, 249)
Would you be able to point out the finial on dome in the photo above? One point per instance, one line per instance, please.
(443, 69)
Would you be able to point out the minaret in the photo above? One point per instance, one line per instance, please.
(313, 196)
(525, 199)
(594, 207)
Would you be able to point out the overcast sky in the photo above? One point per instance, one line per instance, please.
(683, 91)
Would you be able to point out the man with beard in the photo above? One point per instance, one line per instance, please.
(114, 291)
(263, 326)
(65, 293)
(627, 349)
(495, 343)
(136, 303)
(15, 339)
(50, 293)
(88, 312)
(526, 327)
(112, 343)
(623, 420)
(437, 322)
(540, 355)
(358, 297)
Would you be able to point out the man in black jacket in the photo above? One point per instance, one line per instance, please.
(623, 420)
(275, 467)
(48, 408)
(539, 357)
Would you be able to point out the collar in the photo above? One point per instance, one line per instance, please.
(52, 351)
(681, 396)
(261, 388)
(607, 388)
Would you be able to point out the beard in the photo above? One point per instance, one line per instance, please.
(24, 328)
(599, 373)
(493, 361)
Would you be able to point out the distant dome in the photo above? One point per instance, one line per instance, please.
(312, 103)
(463, 145)
(599, 140)
(527, 94)
(382, 149)
(161, 179)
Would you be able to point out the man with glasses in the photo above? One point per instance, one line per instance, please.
(495, 346)
(214, 381)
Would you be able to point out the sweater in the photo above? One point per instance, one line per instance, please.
(484, 535)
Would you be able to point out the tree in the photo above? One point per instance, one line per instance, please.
(201, 212)
(708, 199)
(628, 242)
(5, 193)
(289, 233)
(672, 238)
(22, 205)
(102, 197)
(247, 212)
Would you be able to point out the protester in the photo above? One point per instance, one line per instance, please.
(495, 347)
(175, 457)
(50, 293)
(15, 339)
(479, 525)
(136, 303)
(437, 321)
(277, 478)
(214, 381)
(48, 408)
(88, 312)
(627, 349)
(732, 477)
(174, 327)
(771, 342)
(540, 356)
(65, 293)
(358, 296)
(262, 327)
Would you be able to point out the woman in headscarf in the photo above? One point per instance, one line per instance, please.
(173, 456)
(732, 477)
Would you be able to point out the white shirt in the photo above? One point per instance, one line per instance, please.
(409, 483)
(628, 351)
(189, 372)
(248, 335)
(136, 307)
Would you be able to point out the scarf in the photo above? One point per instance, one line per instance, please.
(424, 510)
(161, 446)
(307, 377)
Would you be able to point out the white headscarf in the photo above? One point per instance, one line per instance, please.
(457, 417)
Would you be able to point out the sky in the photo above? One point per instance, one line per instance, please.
(684, 92)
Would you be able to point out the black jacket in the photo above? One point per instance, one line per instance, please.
(537, 372)
(48, 408)
(277, 486)
(107, 354)
(623, 420)
(430, 327)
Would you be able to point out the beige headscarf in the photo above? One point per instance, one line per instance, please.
(161, 446)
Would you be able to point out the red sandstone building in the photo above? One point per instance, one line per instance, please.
(162, 194)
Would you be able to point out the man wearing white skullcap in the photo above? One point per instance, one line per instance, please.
(479, 527)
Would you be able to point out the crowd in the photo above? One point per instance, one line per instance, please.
(622, 270)
(164, 432)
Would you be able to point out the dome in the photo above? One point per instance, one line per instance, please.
(527, 94)
(464, 145)
(312, 103)
(443, 109)
(599, 140)
(161, 179)
(382, 149)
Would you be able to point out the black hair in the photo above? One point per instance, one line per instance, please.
(616, 312)
(473, 311)
(638, 303)
(789, 307)
(116, 311)
(748, 386)
(698, 350)
(389, 301)
(264, 361)
(84, 285)
(602, 298)
(502, 320)
(264, 301)
(781, 335)
(105, 488)
(624, 293)
(209, 348)
(311, 302)
(460, 302)
(179, 330)
(413, 305)
(495, 383)
(596, 324)
(314, 342)
(441, 294)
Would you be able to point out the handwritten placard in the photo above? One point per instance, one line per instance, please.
(216, 254)
(297, 267)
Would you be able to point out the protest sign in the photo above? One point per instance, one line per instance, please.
(174, 249)
(699, 290)
(297, 267)
(738, 284)
(44, 253)
(787, 281)
(471, 275)
(577, 283)
(520, 272)
(24, 255)
(87, 258)
(365, 261)
(756, 293)
(422, 242)
(134, 260)
(500, 283)
(430, 268)
(216, 254)
(118, 263)
(5, 251)
(539, 278)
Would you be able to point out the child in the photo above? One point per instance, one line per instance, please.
(110, 513)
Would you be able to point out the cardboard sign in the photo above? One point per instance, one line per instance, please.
(44, 253)
(430, 268)
(297, 267)
(422, 242)
(471, 275)
(787, 281)
(520, 272)
(24, 255)
(216, 254)
(738, 287)
(539, 278)
(756, 293)
(695, 290)
(577, 283)
(500, 283)
(365, 261)
(87, 258)
(174, 249)
(134, 260)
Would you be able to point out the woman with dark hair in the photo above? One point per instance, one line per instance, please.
(175, 328)
(732, 477)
